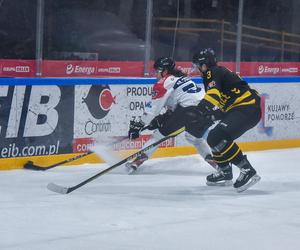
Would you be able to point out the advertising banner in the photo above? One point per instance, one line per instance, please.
(17, 68)
(36, 120)
(92, 68)
(60, 68)
(270, 69)
(280, 113)
(66, 115)
(104, 110)
(255, 68)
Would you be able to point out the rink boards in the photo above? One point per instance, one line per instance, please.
(47, 120)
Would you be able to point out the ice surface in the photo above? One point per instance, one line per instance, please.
(166, 206)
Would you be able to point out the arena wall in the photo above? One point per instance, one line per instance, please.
(47, 120)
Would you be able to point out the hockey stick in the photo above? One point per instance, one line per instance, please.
(65, 190)
(31, 166)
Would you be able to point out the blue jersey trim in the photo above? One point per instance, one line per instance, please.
(271, 79)
(126, 81)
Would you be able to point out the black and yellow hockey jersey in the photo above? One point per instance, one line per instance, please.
(227, 90)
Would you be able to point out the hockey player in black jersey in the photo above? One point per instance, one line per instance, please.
(229, 99)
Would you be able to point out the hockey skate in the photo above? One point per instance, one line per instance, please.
(247, 177)
(223, 177)
(133, 165)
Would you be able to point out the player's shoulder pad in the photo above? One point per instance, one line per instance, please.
(168, 81)
(211, 76)
(216, 69)
(161, 87)
(219, 69)
(215, 72)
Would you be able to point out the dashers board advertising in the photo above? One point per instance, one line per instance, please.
(35, 120)
(103, 111)
(280, 120)
(54, 116)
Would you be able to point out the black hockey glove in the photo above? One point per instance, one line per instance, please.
(156, 123)
(209, 111)
(205, 107)
(134, 129)
(217, 115)
(159, 120)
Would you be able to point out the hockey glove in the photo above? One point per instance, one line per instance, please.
(209, 111)
(205, 107)
(156, 123)
(135, 129)
(159, 120)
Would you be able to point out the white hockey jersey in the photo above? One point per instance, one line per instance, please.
(171, 91)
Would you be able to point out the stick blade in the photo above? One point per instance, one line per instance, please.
(57, 188)
(30, 166)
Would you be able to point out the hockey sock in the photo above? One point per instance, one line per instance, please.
(229, 153)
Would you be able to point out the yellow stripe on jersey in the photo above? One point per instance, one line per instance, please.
(214, 91)
(241, 100)
(213, 96)
(241, 104)
(242, 97)
(212, 100)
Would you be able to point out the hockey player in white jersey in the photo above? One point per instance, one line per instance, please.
(173, 106)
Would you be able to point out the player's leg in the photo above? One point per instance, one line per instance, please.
(222, 149)
(196, 126)
(172, 121)
(202, 147)
(133, 165)
(227, 152)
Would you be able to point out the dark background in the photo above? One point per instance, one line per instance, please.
(115, 29)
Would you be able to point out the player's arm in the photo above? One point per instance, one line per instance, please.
(151, 117)
(213, 92)
(158, 102)
(210, 104)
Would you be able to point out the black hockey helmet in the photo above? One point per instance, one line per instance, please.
(206, 56)
(164, 63)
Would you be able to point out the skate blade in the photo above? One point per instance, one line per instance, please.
(130, 170)
(256, 178)
(220, 184)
